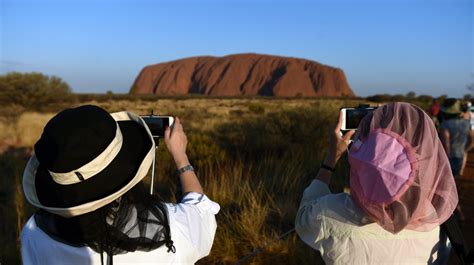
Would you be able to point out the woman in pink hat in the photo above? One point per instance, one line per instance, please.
(402, 189)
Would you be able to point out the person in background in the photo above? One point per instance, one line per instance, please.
(85, 178)
(467, 114)
(456, 134)
(466, 110)
(402, 189)
(434, 112)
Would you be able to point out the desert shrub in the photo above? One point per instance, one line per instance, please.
(202, 152)
(283, 145)
(256, 108)
(110, 96)
(380, 98)
(424, 98)
(410, 95)
(236, 112)
(33, 91)
(398, 98)
(202, 149)
(280, 133)
(423, 101)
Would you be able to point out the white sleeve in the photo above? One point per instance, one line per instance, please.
(314, 191)
(195, 214)
(309, 223)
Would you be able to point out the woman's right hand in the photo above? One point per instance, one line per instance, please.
(176, 142)
(337, 143)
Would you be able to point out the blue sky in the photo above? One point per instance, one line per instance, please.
(384, 46)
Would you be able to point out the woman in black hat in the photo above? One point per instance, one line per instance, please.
(85, 178)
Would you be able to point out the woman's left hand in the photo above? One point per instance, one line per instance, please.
(337, 143)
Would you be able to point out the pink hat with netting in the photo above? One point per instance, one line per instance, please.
(400, 175)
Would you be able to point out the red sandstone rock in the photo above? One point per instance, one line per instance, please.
(242, 74)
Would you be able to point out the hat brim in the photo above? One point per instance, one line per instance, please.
(450, 111)
(454, 109)
(128, 168)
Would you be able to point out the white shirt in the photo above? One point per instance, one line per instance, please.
(192, 225)
(335, 226)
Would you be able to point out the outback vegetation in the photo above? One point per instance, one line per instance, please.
(254, 156)
(33, 91)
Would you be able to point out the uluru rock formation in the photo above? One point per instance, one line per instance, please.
(242, 74)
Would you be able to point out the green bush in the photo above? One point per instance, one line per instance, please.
(33, 91)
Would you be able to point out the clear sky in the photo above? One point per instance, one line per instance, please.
(384, 46)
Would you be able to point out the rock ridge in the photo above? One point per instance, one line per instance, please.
(243, 74)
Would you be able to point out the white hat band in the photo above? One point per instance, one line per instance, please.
(93, 167)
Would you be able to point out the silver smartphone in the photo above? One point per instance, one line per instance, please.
(351, 117)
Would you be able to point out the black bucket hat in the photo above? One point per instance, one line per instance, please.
(87, 158)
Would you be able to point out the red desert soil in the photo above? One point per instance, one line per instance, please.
(242, 74)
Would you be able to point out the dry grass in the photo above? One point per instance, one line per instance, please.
(197, 114)
(254, 157)
(24, 130)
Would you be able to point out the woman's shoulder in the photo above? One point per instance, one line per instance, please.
(340, 208)
(341, 213)
(192, 202)
(29, 228)
(31, 231)
(194, 220)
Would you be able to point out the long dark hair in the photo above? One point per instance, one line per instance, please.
(109, 228)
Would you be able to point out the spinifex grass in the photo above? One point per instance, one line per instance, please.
(254, 157)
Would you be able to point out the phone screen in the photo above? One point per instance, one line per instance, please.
(157, 125)
(355, 116)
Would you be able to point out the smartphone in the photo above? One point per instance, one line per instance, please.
(351, 117)
(158, 124)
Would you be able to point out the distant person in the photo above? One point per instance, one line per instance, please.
(434, 112)
(465, 109)
(467, 114)
(401, 191)
(470, 113)
(456, 134)
(85, 177)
